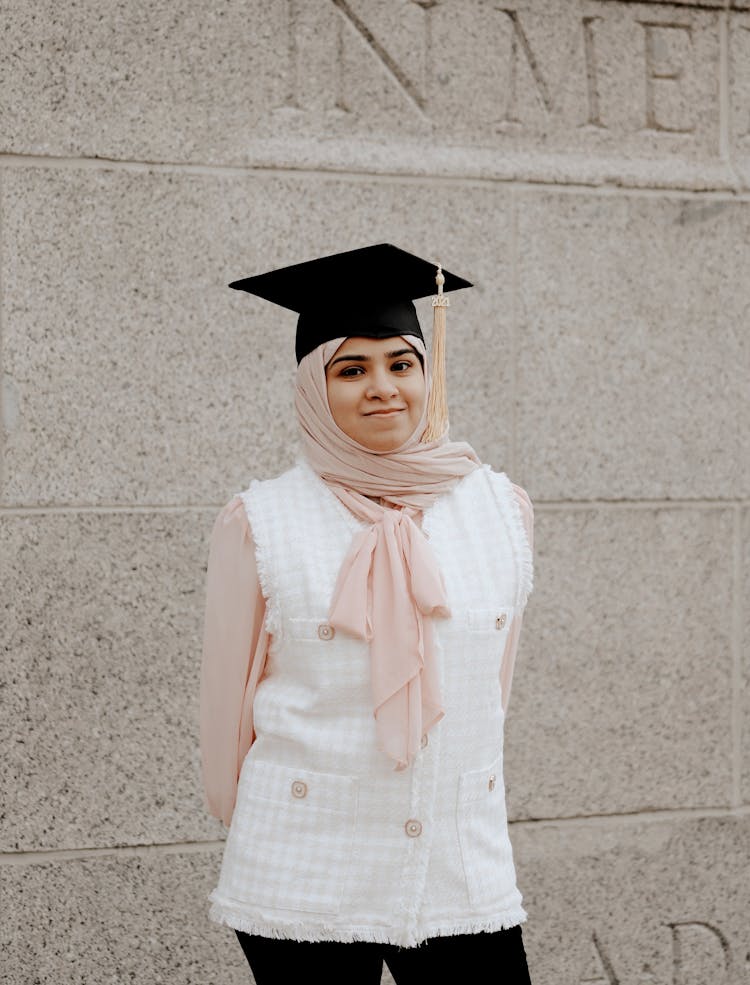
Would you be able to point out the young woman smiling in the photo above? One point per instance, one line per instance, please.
(362, 618)
(376, 391)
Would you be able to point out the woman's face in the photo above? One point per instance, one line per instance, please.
(376, 391)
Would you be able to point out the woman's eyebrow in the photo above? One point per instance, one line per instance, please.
(364, 359)
(341, 359)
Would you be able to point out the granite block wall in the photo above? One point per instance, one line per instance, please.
(586, 163)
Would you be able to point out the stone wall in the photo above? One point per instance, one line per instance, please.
(587, 165)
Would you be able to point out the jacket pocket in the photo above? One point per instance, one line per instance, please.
(292, 836)
(490, 621)
(311, 630)
(483, 834)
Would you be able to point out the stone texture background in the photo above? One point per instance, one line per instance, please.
(587, 164)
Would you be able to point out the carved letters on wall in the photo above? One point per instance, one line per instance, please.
(700, 952)
(596, 70)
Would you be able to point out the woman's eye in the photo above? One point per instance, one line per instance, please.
(351, 371)
(401, 365)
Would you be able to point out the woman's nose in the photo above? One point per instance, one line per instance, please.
(382, 385)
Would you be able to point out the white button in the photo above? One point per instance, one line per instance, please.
(500, 621)
(326, 631)
(424, 741)
(492, 781)
(299, 788)
(413, 828)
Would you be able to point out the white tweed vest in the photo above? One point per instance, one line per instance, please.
(327, 841)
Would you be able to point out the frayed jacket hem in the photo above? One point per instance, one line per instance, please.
(233, 916)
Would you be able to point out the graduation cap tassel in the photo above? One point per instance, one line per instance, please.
(437, 403)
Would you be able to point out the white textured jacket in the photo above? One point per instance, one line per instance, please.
(327, 841)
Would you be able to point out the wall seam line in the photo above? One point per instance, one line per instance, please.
(617, 184)
(44, 856)
(125, 508)
(723, 87)
(595, 821)
(514, 308)
(655, 816)
(549, 505)
(725, 103)
(3, 422)
(736, 636)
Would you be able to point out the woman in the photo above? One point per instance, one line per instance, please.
(362, 618)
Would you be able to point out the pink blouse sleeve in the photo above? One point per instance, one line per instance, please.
(511, 644)
(235, 644)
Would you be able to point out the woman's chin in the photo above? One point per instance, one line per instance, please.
(381, 436)
(385, 444)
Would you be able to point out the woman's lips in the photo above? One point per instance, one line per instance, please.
(385, 413)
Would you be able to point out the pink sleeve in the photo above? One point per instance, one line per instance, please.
(511, 644)
(235, 644)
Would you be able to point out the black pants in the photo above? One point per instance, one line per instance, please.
(498, 957)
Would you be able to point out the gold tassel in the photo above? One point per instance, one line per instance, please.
(437, 403)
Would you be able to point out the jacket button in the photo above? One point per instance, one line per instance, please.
(424, 741)
(500, 621)
(299, 788)
(413, 828)
(326, 631)
(491, 782)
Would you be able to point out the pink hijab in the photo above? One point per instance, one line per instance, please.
(389, 586)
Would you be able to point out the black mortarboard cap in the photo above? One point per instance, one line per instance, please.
(367, 292)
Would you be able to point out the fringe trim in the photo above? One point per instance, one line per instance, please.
(232, 916)
(273, 616)
(309, 474)
(525, 561)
